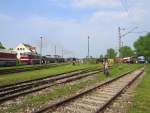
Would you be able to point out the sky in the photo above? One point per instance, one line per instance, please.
(68, 23)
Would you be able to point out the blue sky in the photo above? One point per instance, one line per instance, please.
(67, 24)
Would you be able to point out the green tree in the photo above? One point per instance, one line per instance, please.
(126, 51)
(111, 53)
(1, 46)
(142, 46)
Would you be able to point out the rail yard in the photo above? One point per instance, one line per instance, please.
(79, 90)
(74, 56)
(30, 83)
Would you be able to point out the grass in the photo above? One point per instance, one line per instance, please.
(18, 67)
(141, 98)
(28, 66)
(18, 77)
(124, 68)
(34, 101)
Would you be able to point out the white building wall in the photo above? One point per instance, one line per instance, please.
(21, 49)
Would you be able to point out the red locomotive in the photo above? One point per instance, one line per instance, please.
(7, 57)
(29, 58)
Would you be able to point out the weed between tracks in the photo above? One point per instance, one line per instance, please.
(27, 66)
(141, 98)
(29, 102)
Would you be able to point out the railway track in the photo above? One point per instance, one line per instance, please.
(13, 91)
(18, 70)
(42, 78)
(94, 99)
(13, 85)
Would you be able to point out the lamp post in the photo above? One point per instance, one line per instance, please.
(88, 47)
(41, 50)
(55, 50)
(62, 52)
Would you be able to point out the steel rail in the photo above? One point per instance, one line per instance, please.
(38, 83)
(74, 96)
(18, 70)
(69, 79)
(101, 109)
(41, 78)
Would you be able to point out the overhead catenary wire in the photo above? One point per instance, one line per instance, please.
(125, 6)
(126, 9)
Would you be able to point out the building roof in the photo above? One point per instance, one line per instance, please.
(28, 46)
(7, 51)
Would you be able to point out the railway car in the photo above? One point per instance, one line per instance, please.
(49, 59)
(29, 58)
(58, 58)
(133, 60)
(130, 60)
(7, 57)
(118, 60)
(141, 59)
(53, 59)
(44, 60)
(127, 60)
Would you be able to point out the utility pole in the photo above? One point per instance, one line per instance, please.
(122, 44)
(62, 52)
(119, 31)
(41, 49)
(55, 50)
(88, 47)
(122, 35)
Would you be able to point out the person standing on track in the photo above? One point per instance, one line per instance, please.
(73, 61)
(105, 67)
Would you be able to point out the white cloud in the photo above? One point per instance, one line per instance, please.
(108, 16)
(62, 3)
(86, 3)
(95, 3)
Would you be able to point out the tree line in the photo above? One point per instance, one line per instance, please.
(141, 48)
